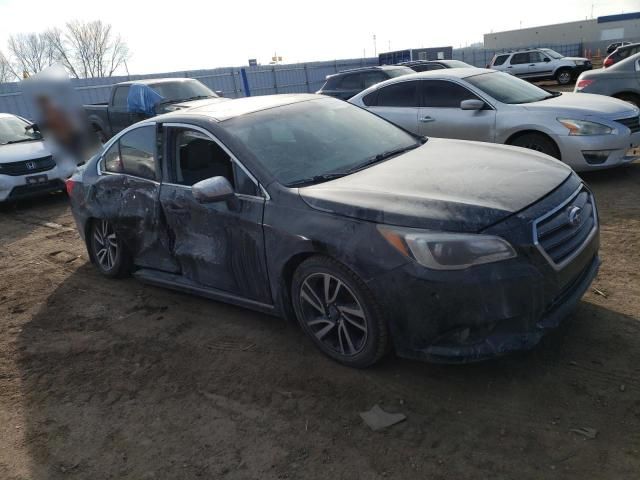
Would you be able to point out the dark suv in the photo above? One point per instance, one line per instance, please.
(621, 53)
(346, 84)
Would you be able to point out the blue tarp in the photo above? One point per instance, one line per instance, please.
(142, 99)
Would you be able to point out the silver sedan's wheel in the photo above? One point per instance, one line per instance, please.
(333, 314)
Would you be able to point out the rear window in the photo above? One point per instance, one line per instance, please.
(398, 72)
(350, 82)
(500, 59)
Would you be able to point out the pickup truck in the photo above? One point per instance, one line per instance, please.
(110, 117)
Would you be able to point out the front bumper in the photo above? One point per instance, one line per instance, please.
(575, 150)
(16, 187)
(487, 310)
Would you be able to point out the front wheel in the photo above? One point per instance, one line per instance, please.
(107, 250)
(564, 76)
(538, 142)
(338, 312)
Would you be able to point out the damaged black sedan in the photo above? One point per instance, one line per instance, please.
(371, 237)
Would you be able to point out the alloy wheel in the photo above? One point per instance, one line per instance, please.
(333, 314)
(105, 245)
(564, 78)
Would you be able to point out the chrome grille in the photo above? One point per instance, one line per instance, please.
(632, 123)
(563, 232)
(28, 167)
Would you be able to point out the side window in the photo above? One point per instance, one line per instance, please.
(401, 94)
(443, 94)
(371, 99)
(434, 66)
(519, 58)
(120, 96)
(371, 78)
(111, 159)
(351, 82)
(536, 57)
(137, 152)
(500, 59)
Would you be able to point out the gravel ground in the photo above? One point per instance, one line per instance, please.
(114, 379)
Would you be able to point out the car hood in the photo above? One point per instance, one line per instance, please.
(584, 106)
(17, 152)
(450, 185)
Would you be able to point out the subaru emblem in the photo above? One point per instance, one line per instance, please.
(575, 216)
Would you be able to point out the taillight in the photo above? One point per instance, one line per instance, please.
(583, 83)
(608, 62)
(69, 183)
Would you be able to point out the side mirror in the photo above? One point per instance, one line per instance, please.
(472, 104)
(547, 59)
(214, 189)
(34, 127)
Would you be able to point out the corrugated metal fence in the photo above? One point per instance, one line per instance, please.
(263, 80)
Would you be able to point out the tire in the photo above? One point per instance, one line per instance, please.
(107, 251)
(629, 97)
(564, 76)
(538, 142)
(338, 312)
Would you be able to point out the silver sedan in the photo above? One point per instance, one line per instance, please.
(587, 132)
(622, 80)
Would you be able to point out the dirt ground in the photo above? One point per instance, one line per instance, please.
(114, 379)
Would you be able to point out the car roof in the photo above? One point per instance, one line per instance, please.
(366, 69)
(627, 47)
(221, 111)
(149, 81)
(6, 115)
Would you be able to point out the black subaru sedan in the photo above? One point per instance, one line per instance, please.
(374, 239)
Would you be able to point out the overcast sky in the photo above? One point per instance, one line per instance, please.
(167, 35)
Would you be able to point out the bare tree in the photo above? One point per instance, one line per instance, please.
(31, 52)
(7, 73)
(86, 49)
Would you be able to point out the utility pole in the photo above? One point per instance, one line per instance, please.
(375, 47)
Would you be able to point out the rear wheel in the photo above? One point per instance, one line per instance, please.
(337, 311)
(107, 251)
(538, 142)
(564, 76)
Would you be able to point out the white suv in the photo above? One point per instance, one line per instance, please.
(540, 64)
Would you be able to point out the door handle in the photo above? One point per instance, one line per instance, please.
(176, 210)
(510, 66)
(532, 64)
(427, 119)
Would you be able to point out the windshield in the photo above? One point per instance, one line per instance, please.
(182, 90)
(552, 53)
(13, 130)
(299, 142)
(508, 89)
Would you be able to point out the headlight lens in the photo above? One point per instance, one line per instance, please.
(584, 127)
(579, 62)
(447, 251)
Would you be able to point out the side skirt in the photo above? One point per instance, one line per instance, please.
(177, 282)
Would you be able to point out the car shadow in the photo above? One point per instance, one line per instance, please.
(123, 380)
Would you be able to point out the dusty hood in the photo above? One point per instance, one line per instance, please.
(445, 184)
(584, 106)
(17, 152)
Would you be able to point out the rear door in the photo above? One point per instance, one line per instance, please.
(217, 245)
(397, 103)
(128, 194)
(519, 64)
(440, 114)
(538, 67)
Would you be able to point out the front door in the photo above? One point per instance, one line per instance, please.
(217, 245)
(440, 114)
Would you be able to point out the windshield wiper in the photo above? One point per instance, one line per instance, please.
(21, 140)
(382, 156)
(325, 177)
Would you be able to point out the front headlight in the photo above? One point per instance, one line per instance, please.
(584, 127)
(447, 251)
(579, 62)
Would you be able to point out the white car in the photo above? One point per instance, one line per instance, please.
(540, 64)
(587, 132)
(27, 166)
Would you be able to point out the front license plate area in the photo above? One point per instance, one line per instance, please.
(37, 179)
